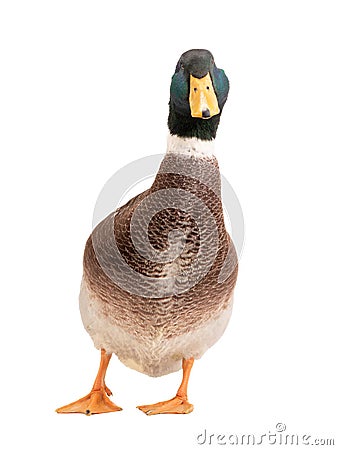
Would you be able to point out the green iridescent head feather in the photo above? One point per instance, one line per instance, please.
(197, 63)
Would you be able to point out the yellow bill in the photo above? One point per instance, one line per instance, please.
(202, 98)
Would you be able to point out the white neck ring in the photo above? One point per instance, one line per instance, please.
(190, 146)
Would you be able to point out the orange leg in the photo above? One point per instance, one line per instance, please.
(177, 405)
(96, 401)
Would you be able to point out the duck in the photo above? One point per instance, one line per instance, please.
(160, 271)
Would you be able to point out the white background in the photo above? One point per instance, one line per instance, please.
(84, 90)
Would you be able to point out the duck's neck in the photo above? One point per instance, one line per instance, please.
(186, 126)
(190, 146)
(188, 163)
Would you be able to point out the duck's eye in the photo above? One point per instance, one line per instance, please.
(182, 67)
(207, 88)
(195, 89)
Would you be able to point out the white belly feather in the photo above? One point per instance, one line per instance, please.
(155, 357)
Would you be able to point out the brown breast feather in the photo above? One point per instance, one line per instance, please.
(145, 282)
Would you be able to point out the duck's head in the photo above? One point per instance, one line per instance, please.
(198, 93)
